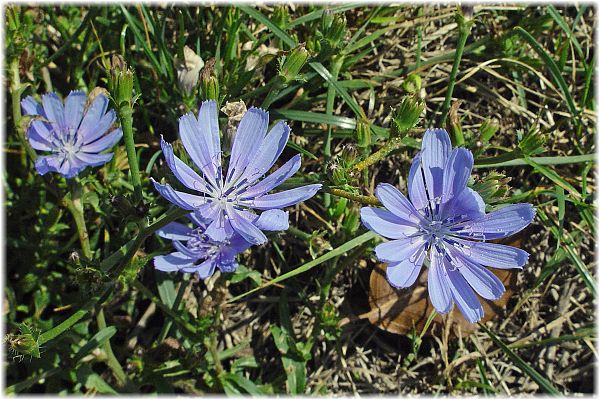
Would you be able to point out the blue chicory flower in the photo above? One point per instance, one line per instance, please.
(229, 201)
(200, 254)
(442, 222)
(75, 136)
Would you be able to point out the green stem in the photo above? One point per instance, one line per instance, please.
(379, 155)
(336, 65)
(16, 88)
(75, 206)
(276, 87)
(464, 28)
(126, 117)
(370, 200)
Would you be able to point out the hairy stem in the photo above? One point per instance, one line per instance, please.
(391, 145)
(126, 117)
(370, 200)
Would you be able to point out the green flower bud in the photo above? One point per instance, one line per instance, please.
(489, 129)
(363, 133)
(209, 82)
(407, 115)
(412, 84)
(120, 81)
(293, 63)
(532, 143)
(25, 343)
(493, 188)
(349, 154)
(337, 174)
(333, 27)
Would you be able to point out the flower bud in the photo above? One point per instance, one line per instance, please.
(349, 154)
(412, 84)
(209, 82)
(493, 188)
(337, 174)
(407, 115)
(120, 81)
(333, 27)
(488, 129)
(363, 133)
(532, 143)
(293, 63)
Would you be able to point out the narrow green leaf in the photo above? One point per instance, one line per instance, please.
(338, 251)
(314, 117)
(544, 383)
(554, 70)
(321, 70)
(260, 17)
(96, 341)
(554, 177)
(62, 327)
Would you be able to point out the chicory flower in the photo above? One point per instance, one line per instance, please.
(75, 135)
(200, 254)
(229, 201)
(445, 222)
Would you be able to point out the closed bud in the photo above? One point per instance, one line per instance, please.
(120, 81)
(349, 154)
(412, 84)
(532, 143)
(293, 63)
(363, 133)
(209, 82)
(337, 174)
(489, 129)
(281, 16)
(333, 28)
(493, 188)
(407, 115)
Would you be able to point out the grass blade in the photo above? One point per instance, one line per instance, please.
(317, 118)
(521, 364)
(260, 17)
(554, 70)
(338, 251)
(321, 70)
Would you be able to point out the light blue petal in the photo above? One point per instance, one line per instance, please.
(485, 283)
(39, 141)
(175, 231)
(468, 205)
(435, 150)
(275, 179)
(31, 107)
(55, 112)
(285, 198)
(416, 184)
(386, 224)
(249, 135)
(492, 254)
(497, 224)
(437, 284)
(269, 151)
(463, 295)
(397, 203)
(456, 173)
(182, 172)
(91, 119)
(104, 143)
(400, 249)
(74, 105)
(172, 262)
(197, 146)
(94, 160)
(204, 270)
(208, 122)
(404, 273)
(94, 133)
(273, 220)
(245, 228)
(180, 199)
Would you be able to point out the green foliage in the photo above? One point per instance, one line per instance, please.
(104, 322)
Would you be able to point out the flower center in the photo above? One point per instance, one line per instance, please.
(434, 231)
(201, 242)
